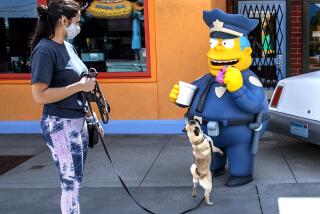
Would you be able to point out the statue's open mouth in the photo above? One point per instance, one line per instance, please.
(223, 62)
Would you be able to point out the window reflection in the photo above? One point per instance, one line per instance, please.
(112, 37)
(314, 36)
(17, 22)
(262, 38)
(268, 34)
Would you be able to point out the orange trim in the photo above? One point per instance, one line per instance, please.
(15, 81)
(148, 76)
(15, 76)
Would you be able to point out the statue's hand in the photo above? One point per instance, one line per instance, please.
(233, 79)
(174, 93)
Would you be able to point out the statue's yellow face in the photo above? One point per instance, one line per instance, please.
(227, 52)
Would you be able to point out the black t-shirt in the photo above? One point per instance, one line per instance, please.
(58, 65)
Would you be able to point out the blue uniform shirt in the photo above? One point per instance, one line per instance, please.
(242, 104)
(57, 65)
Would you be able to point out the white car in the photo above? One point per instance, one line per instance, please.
(295, 107)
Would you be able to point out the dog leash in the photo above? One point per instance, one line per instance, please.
(121, 180)
(189, 210)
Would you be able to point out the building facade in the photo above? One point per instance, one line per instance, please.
(145, 50)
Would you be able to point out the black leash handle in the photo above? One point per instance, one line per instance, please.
(97, 96)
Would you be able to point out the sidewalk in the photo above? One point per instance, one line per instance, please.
(156, 168)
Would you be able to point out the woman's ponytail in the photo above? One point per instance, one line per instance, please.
(43, 29)
(49, 16)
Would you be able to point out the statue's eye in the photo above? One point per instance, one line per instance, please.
(228, 43)
(213, 42)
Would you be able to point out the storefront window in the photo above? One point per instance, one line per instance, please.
(17, 21)
(112, 37)
(314, 36)
(263, 36)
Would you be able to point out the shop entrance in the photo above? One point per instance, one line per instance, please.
(267, 40)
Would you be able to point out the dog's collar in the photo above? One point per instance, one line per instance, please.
(200, 141)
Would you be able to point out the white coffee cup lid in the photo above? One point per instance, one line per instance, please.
(184, 84)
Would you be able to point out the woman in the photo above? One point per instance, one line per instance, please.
(56, 83)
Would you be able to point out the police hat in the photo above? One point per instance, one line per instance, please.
(225, 26)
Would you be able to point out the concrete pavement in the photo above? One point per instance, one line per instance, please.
(156, 168)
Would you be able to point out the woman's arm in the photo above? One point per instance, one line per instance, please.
(42, 94)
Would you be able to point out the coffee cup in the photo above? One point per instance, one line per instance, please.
(186, 93)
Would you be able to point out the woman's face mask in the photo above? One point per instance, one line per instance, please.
(73, 30)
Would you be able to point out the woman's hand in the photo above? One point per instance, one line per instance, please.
(87, 84)
(95, 118)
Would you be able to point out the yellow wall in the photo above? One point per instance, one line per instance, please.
(179, 40)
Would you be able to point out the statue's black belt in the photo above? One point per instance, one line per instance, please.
(223, 123)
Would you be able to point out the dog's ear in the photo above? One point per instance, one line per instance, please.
(197, 121)
(196, 131)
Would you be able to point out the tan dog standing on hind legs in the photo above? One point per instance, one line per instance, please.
(202, 146)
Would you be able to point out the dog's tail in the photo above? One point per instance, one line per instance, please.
(194, 171)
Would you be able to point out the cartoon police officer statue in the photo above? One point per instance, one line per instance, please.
(229, 98)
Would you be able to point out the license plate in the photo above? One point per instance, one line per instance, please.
(299, 129)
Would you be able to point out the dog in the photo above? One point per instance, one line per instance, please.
(202, 146)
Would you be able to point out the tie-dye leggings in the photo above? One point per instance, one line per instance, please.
(68, 141)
